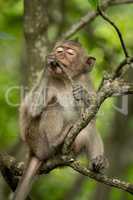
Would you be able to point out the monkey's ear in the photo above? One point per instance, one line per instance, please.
(90, 63)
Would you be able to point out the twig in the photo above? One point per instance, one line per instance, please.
(114, 182)
(127, 58)
(85, 20)
(10, 164)
(102, 14)
(119, 2)
(118, 70)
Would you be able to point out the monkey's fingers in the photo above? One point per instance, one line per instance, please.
(99, 164)
(78, 92)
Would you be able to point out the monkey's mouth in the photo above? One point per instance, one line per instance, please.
(55, 67)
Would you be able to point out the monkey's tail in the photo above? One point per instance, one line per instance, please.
(25, 183)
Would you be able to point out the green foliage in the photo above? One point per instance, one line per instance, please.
(10, 47)
(47, 186)
(8, 113)
(93, 3)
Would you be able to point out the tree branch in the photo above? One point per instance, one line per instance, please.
(6, 164)
(90, 16)
(119, 2)
(85, 20)
(114, 182)
(12, 170)
(128, 59)
(121, 88)
(119, 69)
(16, 169)
(102, 14)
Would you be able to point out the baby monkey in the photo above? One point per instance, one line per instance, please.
(52, 106)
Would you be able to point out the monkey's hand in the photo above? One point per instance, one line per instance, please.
(81, 96)
(78, 92)
(98, 164)
(36, 102)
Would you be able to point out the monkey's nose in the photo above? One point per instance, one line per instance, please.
(53, 65)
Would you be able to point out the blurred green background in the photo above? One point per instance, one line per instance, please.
(101, 41)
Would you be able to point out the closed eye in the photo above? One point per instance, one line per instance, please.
(71, 51)
(59, 49)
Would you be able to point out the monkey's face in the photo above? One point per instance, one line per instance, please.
(68, 57)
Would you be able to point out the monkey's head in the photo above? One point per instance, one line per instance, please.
(69, 56)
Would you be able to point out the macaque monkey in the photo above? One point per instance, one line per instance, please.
(49, 110)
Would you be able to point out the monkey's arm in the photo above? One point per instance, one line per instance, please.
(33, 104)
(35, 100)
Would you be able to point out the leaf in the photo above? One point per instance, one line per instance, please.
(93, 3)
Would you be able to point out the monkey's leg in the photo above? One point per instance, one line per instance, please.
(25, 183)
(89, 136)
(61, 137)
(44, 151)
(95, 149)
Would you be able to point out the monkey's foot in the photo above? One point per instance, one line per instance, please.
(99, 163)
(78, 92)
